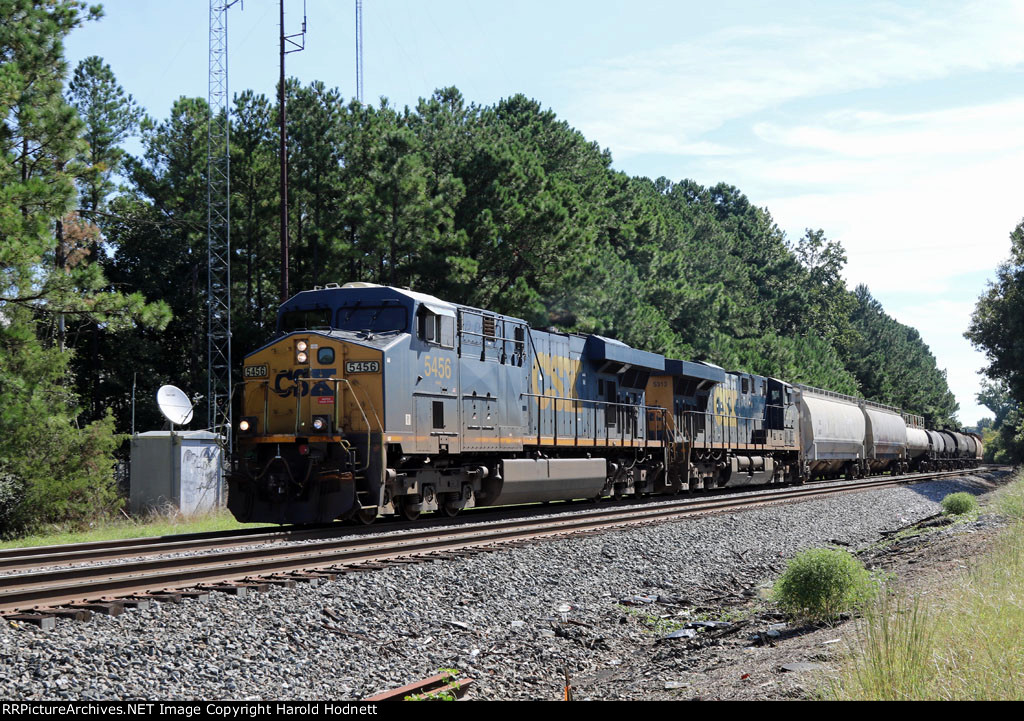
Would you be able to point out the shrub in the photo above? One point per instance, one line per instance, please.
(820, 584)
(957, 504)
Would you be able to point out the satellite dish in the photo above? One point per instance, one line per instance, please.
(174, 404)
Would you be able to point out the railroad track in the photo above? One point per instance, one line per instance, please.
(34, 595)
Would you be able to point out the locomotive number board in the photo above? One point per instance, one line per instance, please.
(362, 367)
(255, 371)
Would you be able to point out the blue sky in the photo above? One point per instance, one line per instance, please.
(894, 127)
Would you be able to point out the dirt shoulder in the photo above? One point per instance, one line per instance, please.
(736, 647)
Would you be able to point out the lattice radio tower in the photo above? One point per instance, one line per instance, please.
(218, 229)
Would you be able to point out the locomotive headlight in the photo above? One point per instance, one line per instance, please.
(243, 426)
(301, 357)
(318, 424)
(301, 345)
(321, 423)
(247, 425)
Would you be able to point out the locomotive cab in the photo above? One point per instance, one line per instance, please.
(308, 445)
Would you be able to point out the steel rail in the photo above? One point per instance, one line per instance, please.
(15, 559)
(40, 556)
(84, 584)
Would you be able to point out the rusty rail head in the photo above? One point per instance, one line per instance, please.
(444, 683)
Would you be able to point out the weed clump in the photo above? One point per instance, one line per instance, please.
(957, 504)
(820, 584)
(1009, 500)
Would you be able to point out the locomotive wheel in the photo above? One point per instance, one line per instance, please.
(450, 510)
(408, 513)
(365, 516)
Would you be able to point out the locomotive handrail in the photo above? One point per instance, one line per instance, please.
(644, 440)
(843, 396)
(266, 400)
(359, 405)
(729, 436)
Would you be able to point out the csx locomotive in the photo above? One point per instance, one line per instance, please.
(374, 400)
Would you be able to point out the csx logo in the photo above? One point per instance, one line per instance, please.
(296, 382)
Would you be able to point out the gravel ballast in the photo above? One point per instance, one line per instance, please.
(514, 620)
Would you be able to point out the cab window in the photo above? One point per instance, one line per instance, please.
(315, 319)
(435, 328)
(378, 318)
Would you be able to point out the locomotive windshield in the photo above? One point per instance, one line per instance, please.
(316, 319)
(379, 318)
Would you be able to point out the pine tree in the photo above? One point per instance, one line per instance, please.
(49, 469)
(110, 116)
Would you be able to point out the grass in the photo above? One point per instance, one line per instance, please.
(157, 524)
(965, 643)
(1008, 501)
(654, 623)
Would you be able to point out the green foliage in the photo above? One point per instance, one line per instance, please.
(504, 207)
(996, 328)
(51, 469)
(957, 504)
(110, 117)
(819, 584)
(1004, 439)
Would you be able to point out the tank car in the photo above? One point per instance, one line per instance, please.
(832, 430)
(885, 443)
(918, 443)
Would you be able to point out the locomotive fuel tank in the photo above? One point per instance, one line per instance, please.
(529, 481)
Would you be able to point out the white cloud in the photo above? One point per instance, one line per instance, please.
(916, 199)
(661, 100)
(921, 235)
(986, 128)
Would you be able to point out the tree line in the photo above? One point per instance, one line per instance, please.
(997, 328)
(504, 206)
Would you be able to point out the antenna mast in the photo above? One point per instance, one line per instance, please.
(288, 45)
(218, 229)
(359, 51)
